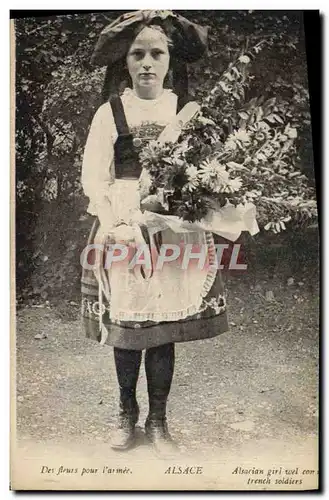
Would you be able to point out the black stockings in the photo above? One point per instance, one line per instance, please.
(127, 363)
(159, 368)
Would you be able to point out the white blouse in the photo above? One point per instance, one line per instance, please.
(98, 172)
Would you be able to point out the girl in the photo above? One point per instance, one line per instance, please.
(133, 310)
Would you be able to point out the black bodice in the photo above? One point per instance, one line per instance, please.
(129, 143)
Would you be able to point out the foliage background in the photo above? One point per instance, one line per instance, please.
(57, 93)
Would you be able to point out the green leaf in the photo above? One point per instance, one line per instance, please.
(278, 118)
(271, 118)
(243, 115)
(224, 87)
(236, 71)
(260, 113)
(229, 76)
(236, 166)
(269, 103)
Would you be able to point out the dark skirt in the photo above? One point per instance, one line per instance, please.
(209, 322)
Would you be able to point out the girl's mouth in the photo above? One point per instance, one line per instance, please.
(147, 75)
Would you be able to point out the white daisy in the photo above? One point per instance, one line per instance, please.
(192, 172)
(230, 144)
(193, 180)
(212, 170)
(214, 176)
(241, 135)
(244, 59)
(236, 183)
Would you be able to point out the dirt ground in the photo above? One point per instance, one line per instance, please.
(252, 388)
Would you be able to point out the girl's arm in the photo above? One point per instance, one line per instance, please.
(98, 165)
(98, 173)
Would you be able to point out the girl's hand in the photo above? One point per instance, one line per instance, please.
(152, 204)
(144, 183)
(123, 234)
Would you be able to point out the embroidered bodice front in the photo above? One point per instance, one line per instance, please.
(145, 133)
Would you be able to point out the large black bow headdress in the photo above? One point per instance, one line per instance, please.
(189, 43)
(189, 39)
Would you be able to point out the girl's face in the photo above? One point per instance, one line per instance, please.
(148, 62)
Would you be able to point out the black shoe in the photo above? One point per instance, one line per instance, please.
(124, 437)
(156, 429)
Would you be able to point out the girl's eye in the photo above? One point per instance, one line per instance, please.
(157, 53)
(137, 54)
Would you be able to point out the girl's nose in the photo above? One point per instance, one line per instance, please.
(147, 62)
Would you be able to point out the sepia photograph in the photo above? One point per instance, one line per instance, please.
(165, 251)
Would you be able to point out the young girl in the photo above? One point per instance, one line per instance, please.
(131, 309)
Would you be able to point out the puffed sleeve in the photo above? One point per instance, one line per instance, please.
(98, 162)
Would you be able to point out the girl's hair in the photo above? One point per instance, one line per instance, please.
(158, 28)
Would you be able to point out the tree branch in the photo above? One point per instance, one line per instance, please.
(29, 33)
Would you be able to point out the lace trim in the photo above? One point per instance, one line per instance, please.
(128, 92)
(205, 305)
(183, 313)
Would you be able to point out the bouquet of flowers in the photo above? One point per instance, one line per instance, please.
(232, 153)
